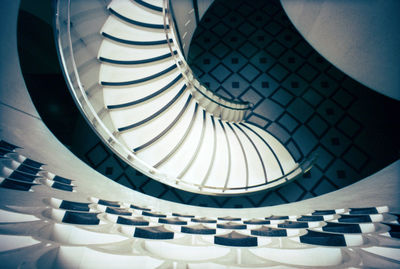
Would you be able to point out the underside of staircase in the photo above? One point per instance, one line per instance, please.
(163, 121)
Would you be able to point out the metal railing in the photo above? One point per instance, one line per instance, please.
(95, 118)
(191, 80)
(292, 175)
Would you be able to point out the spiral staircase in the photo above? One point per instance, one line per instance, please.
(56, 212)
(161, 119)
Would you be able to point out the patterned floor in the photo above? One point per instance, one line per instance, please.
(250, 51)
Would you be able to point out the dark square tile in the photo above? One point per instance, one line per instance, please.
(195, 51)
(276, 49)
(324, 158)
(291, 60)
(248, 50)
(278, 72)
(273, 28)
(330, 112)
(220, 29)
(307, 138)
(262, 60)
(307, 72)
(317, 125)
(265, 84)
(343, 98)
(220, 72)
(291, 192)
(234, 61)
(249, 72)
(288, 38)
(312, 97)
(235, 80)
(206, 62)
(270, 109)
(301, 110)
(97, 155)
(246, 29)
(288, 122)
(260, 38)
(282, 96)
(245, 10)
(210, 21)
(324, 187)
(325, 85)
(258, 18)
(208, 40)
(221, 50)
(210, 82)
(335, 141)
(349, 126)
(111, 168)
(233, 19)
(295, 84)
(234, 39)
(342, 174)
(356, 158)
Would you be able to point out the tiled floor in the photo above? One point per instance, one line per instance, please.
(299, 97)
(250, 51)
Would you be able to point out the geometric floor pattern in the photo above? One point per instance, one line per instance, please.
(250, 51)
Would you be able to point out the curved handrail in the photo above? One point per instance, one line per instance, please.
(81, 98)
(186, 70)
(83, 102)
(302, 168)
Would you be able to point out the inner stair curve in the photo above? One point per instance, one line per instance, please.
(179, 132)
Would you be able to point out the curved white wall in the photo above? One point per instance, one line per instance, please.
(359, 37)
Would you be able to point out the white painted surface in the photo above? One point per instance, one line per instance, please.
(361, 38)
